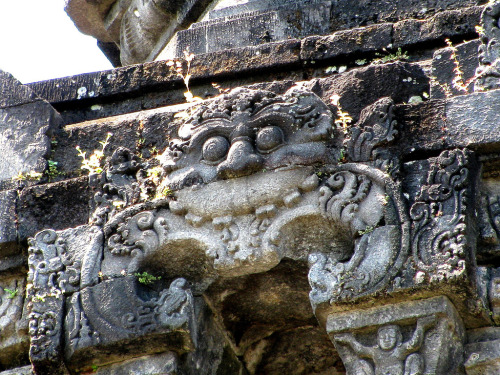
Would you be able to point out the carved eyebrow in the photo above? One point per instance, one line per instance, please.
(210, 128)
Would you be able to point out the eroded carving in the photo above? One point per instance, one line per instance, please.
(400, 339)
(118, 187)
(246, 131)
(488, 72)
(391, 355)
(113, 313)
(439, 241)
(369, 137)
(52, 273)
(363, 202)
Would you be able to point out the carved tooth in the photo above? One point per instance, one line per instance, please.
(292, 199)
(194, 220)
(222, 222)
(310, 183)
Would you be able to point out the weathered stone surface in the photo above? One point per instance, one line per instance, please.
(8, 227)
(89, 17)
(364, 86)
(494, 294)
(57, 205)
(165, 364)
(489, 53)
(445, 24)
(25, 122)
(405, 341)
(13, 92)
(103, 320)
(366, 39)
(482, 353)
(14, 341)
(449, 78)
(294, 19)
(471, 122)
(26, 370)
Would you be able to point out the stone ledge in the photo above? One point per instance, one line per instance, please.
(134, 80)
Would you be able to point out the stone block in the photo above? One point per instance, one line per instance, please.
(164, 364)
(13, 92)
(447, 81)
(120, 318)
(482, 352)
(14, 341)
(360, 40)
(446, 24)
(424, 336)
(8, 220)
(25, 121)
(361, 87)
(471, 121)
(58, 205)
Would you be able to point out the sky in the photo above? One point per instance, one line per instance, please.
(38, 41)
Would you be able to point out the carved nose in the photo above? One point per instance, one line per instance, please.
(241, 160)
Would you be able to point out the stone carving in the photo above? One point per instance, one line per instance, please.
(363, 201)
(120, 187)
(112, 313)
(494, 294)
(391, 355)
(246, 131)
(489, 219)
(52, 273)
(375, 129)
(488, 72)
(439, 241)
(400, 339)
(51, 268)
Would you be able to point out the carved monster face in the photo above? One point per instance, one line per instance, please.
(248, 131)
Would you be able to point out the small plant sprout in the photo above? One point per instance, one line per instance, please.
(367, 230)
(344, 120)
(399, 55)
(94, 163)
(52, 171)
(12, 293)
(164, 193)
(341, 158)
(146, 278)
(186, 76)
(30, 176)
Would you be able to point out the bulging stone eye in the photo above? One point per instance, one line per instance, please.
(215, 148)
(269, 138)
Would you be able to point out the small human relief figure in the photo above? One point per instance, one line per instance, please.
(391, 356)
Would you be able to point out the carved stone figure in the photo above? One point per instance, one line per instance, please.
(439, 241)
(391, 356)
(394, 339)
(488, 72)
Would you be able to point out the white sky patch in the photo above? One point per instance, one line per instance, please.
(38, 41)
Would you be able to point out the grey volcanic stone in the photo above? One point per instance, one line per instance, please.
(444, 69)
(8, 230)
(25, 122)
(482, 353)
(59, 205)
